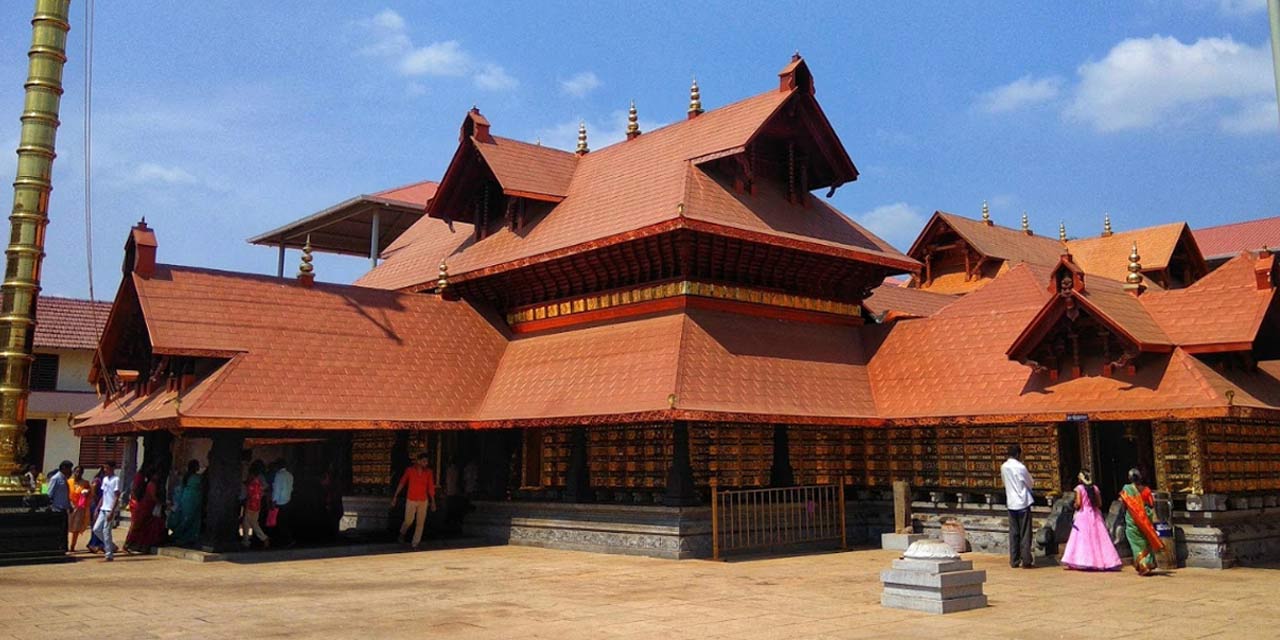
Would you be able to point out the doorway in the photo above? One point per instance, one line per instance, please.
(35, 435)
(1118, 447)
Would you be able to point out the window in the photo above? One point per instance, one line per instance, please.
(97, 450)
(44, 372)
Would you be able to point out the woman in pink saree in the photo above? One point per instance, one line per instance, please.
(1089, 548)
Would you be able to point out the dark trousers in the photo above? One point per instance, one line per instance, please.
(1020, 538)
(282, 533)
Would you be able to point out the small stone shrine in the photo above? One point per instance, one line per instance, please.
(931, 577)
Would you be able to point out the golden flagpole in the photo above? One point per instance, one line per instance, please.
(25, 252)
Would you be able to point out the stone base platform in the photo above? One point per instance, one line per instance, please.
(933, 586)
(645, 530)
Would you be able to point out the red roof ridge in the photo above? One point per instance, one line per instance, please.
(1199, 371)
(384, 193)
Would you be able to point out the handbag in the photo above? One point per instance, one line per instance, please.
(273, 516)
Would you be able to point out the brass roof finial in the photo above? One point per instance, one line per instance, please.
(1106, 225)
(442, 282)
(695, 99)
(1026, 224)
(633, 122)
(582, 138)
(306, 271)
(1062, 231)
(1134, 279)
(986, 213)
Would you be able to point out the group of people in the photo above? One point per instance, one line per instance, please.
(87, 504)
(266, 500)
(1089, 547)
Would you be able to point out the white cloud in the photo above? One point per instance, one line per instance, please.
(494, 78)
(436, 59)
(151, 173)
(1023, 92)
(580, 84)
(389, 39)
(389, 33)
(896, 223)
(1257, 117)
(1143, 82)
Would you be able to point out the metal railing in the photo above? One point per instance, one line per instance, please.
(748, 519)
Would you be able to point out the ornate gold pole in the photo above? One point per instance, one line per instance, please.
(31, 189)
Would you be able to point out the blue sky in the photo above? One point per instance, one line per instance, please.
(219, 120)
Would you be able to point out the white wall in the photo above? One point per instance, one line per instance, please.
(73, 368)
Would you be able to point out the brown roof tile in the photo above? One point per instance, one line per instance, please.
(1230, 239)
(954, 363)
(1223, 308)
(414, 258)
(327, 352)
(741, 364)
(1004, 243)
(891, 301)
(525, 168)
(69, 323)
(1109, 256)
(417, 193)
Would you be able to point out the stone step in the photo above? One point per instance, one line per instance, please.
(898, 577)
(945, 593)
(894, 601)
(932, 566)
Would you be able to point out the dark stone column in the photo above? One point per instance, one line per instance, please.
(400, 461)
(781, 473)
(222, 505)
(680, 490)
(578, 479)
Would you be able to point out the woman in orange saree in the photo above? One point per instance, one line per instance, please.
(1139, 513)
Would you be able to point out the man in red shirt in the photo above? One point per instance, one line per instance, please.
(421, 497)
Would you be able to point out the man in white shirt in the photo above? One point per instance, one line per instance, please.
(1018, 499)
(281, 496)
(108, 509)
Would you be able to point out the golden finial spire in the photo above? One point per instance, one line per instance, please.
(633, 121)
(1133, 281)
(582, 137)
(1106, 225)
(1062, 231)
(695, 99)
(306, 272)
(986, 213)
(442, 282)
(1026, 224)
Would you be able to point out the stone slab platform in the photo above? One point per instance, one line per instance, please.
(895, 601)
(900, 541)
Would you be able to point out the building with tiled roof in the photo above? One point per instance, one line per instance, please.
(66, 337)
(637, 323)
(961, 254)
(1223, 242)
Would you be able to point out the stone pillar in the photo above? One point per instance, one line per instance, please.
(222, 507)
(680, 491)
(902, 507)
(781, 473)
(129, 463)
(578, 479)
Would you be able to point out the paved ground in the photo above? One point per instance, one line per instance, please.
(519, 592)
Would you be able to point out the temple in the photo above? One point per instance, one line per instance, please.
(605, 333)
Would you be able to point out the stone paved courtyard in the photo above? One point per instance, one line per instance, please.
(520, 592)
